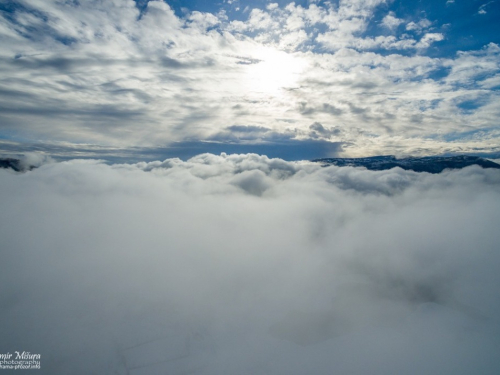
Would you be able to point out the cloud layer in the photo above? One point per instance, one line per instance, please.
(250, 265)
(111, 74)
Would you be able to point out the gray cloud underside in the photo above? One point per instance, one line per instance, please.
(102, 73)
(249, 265)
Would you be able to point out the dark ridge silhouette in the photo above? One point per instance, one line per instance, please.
(430, 164)
(9, 163)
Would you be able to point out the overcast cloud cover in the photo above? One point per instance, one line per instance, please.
(365, 77)
(241, 264)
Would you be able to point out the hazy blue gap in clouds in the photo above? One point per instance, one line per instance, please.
(290, 150)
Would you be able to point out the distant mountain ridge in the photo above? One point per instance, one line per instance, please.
(430, 164)
(10, 163)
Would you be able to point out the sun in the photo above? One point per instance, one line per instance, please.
(274, 72)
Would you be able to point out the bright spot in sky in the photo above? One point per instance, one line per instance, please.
(275, 71)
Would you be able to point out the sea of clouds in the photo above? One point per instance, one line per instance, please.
(241, 264)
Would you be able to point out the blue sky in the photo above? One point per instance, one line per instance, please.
(302, 79)
(468, 24)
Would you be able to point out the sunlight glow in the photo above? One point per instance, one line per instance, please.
(277, 70)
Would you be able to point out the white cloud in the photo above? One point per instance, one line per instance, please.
(428, 39)
(338, 39)
(292, 41)
(203, 20)
(391, 21)
(294, 22)
(243, 262)
(419, 26)
(471, 64)
(491, 82)
(272, 6)
(259, 20)
(482, 8)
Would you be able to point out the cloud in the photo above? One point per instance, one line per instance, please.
(391, 22)
(482, 8)
(318, 130)
(112, 75)
(429, 38)
(272, 6)
(245, 264)
(419, 26)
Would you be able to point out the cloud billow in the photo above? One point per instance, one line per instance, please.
(246, 264)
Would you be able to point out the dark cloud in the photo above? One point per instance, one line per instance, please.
(305, 109)
(246, 60)
(357, 110)
(96, 113)
(318, 130)
(248, 129)
(61, 64)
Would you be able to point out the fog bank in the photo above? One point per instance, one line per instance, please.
(241, 264)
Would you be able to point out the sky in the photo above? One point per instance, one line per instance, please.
(147, 80)
(242, 264)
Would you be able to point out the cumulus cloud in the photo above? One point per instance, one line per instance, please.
(250, 265)
(391, 21)
(418, 26)
(34, 160)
